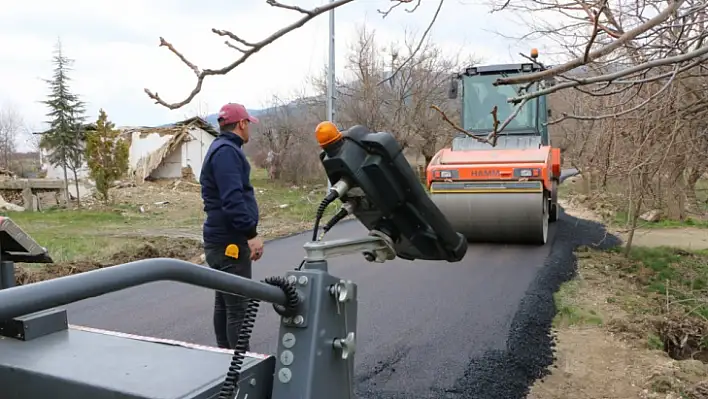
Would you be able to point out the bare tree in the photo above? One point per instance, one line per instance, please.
(633, 120)
(32, 140)
(283, 142)
(11, 125)
(201, 110)
(384, 94)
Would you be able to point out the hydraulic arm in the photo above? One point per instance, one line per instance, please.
(42, 356)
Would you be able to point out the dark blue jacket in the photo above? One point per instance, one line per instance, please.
(229, 200)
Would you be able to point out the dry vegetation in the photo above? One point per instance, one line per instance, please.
(400, 105)
(634, 123)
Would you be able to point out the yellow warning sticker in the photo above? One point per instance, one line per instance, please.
(232, 251)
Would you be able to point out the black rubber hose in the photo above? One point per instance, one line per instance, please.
(228, 389)
(291, 296)
(331, 196)
(335, 219)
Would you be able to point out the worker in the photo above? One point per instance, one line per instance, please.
(231, 240)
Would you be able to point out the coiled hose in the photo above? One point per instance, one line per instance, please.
(228, 388)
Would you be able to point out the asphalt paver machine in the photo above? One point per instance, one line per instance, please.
(41, 356)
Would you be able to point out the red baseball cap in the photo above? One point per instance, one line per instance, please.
(234, 113)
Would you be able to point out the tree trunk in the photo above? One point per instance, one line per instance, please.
(428, 158)
(608, 162)
(637, 208)
(76, 183)
(675, 197)
(691, 182)
(66, 185)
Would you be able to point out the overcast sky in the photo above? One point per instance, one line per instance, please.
(115, 48)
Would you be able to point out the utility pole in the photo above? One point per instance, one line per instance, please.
(330, 76)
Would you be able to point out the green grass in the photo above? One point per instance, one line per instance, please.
(568, 312)
(73, 235)
(621, 219)
(288, 202)
(654, 342)
(96, 234)
(683, 274)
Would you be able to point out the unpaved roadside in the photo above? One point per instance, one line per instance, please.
(605, 347)
(689, 238)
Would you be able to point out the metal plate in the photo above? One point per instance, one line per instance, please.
(80, 364)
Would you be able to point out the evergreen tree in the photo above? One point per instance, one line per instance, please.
(64, 137)
(107, 155)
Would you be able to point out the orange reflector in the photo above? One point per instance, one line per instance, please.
(327, 133)
(534, 52)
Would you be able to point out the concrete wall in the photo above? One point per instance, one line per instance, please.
(195, 150)
(57, 172)
(143, 146)
(191, 153)
(171, 167)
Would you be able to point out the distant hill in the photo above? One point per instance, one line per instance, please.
(212, 119)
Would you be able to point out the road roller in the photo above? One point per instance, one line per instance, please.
(502, 193)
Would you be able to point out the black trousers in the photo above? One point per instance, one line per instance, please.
(229, 310)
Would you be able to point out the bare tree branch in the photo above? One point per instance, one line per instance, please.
(420, 43)
(248, 51)
(701, 52)
(605, 50)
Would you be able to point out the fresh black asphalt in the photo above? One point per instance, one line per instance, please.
(474, 329)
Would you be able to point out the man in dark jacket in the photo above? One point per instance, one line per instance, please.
(231, 239)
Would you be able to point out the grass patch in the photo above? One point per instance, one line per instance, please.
(679, 275)
(621, 219)
(95, 234)
(568, 311)
(70, 235)
(662, 272)
(626, 298)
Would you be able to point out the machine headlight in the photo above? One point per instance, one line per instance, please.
(527, 172)
(446, 174)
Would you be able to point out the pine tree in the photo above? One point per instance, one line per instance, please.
(64, 137)
(107, 155)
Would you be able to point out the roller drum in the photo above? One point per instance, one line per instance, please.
(497, 217)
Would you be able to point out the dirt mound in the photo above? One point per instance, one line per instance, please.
(183, 249)
(26, 275)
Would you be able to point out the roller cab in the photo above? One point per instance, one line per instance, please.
(502, 193)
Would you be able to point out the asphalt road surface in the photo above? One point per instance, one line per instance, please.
(420, 322)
